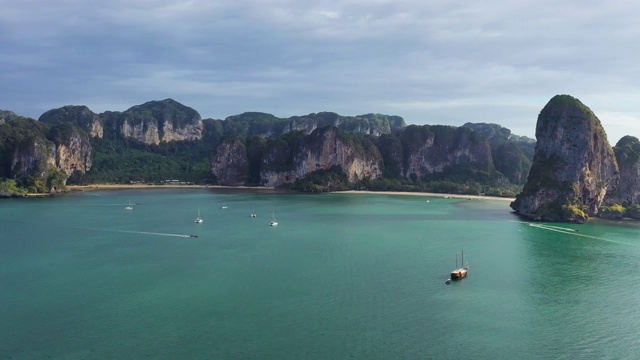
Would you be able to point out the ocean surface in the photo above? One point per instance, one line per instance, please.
(343, 276)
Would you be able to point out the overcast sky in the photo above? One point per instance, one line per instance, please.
(431, 62)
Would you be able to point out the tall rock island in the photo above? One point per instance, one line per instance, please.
(573, 165)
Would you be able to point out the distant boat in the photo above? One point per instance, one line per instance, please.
(130, 206)
(224, 205)
(253, 214)
(198, 220)
(273, 220)
(460, 272)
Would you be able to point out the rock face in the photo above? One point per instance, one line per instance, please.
(144, 131)
(157, 121)
(230, 164)
(433, 149)
(419, 152)
(67, 150)
(627, 152)
(511, 154)
(78, 115)
(150, 123)
(268, 126)
(73, 152)
(323, 149)
(34, 158)
(573, 165)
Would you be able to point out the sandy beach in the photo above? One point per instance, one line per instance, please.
(127, 186)
(457, 196)
(152, 186)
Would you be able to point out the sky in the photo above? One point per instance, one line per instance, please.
(431, 62)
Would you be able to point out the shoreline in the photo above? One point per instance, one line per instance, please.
(153, 186)
(441, 195)
(398, 193)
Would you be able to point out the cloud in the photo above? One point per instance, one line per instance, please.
(431, 62)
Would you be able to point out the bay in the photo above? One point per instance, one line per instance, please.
(342, 276)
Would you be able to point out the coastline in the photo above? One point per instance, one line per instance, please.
(403, 193)
(398, 193)
(153, 186)
(126, 186)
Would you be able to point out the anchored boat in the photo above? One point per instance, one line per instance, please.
(460, 272)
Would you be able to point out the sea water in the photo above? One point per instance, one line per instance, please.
(343, 276)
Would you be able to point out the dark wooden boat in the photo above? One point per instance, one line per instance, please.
(460, 272)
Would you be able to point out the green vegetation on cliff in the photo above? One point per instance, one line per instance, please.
(267, 125)
(16, 136)
(511, 154)
(627, 151)
(9, 188)
(70, 114)
(130, 161)
(271, 144)
(165, 110)
(332, 179)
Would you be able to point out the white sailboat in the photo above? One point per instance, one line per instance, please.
(253, 214)
(224, 205)
(198, 220)
(273, 220)
(130, 206)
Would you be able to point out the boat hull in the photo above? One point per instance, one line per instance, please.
(459, 274)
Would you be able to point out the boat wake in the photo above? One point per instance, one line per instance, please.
(147, 233)
(552, 227)
(154, 233)
(575, 233)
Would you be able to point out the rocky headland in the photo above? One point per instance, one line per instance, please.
(573, 168)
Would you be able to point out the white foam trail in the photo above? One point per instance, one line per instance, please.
(152, 233)
(557, 227)
(572, 232)
(144, 232)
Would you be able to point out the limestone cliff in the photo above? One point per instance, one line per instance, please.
(86, 119)
(370, 124)
(230, 164)
(433, 149)
(627, 193)
(269, 126)
(573, 165)
(44, 155)
(34, 157)
(280, 162)
(144, 131)
(511, 154)
(157, 121)
(72, 148)
(323, 149)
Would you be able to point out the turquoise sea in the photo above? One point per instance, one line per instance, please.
(343, 276)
